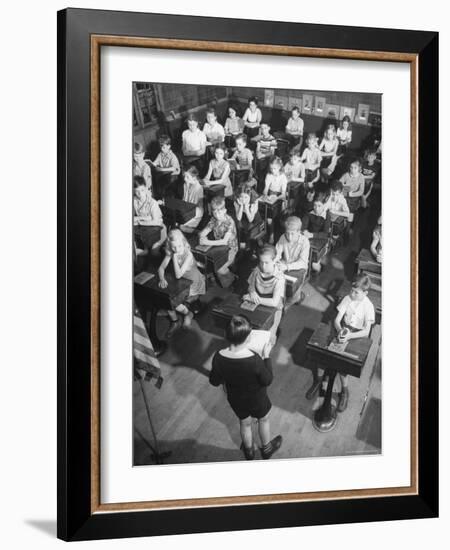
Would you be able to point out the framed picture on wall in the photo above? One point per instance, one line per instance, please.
(269, 96)
(375, 119)
(158, 301)
(319, 105)
(332, 111)
(347, 111)
(294, 102)
(281, 102)
(307, 104)
(362, 114)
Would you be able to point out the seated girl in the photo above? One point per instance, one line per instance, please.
(184, 265)
(243, 157)
(328, 148)
(312, 158)
(377, 246)
(267, 284)
(353, 185)
(193, 193)
(344, 135)
(252, 118)
(224, 233)
(219, 172)
(295, 175)
(293, 252)
(193, 144)
(234, 126)
(149, 229)
(246, 376)
(294, 128)
(275, 189)
(248, 218)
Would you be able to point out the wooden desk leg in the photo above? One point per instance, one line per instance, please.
(159, 346)
(325, 418)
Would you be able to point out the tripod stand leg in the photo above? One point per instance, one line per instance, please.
(158, 457)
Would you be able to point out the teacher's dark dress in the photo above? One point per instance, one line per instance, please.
(246, 380)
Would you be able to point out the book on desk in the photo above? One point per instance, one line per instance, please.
(349, 360)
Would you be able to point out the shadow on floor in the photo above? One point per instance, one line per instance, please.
(369, 429)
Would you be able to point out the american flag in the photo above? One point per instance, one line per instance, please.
(144, 354)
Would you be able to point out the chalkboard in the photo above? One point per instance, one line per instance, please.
(180, 98)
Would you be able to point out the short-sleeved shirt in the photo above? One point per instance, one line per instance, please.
(147, 208)
(371, 170)
(234, 125)
(353, 186)
(144, 171)
(167, 160)
(294, 252)
(357, 314)
(266, 144)
(311, 157)
(344, 135)
(244, 158)
(276, 184)
(294, 171)
(193, 141)
(252, 117)
(214, 132)
(295, 126)
(221, 228)
(267, 286)
(336, 205)
(193, 193)
(217, 171)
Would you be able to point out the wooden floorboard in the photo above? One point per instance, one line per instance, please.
(193, 420)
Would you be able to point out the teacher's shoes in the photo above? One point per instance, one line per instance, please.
(248, 453)
(271, 447)
(343, 400)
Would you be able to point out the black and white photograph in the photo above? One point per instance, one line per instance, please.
(257, 246)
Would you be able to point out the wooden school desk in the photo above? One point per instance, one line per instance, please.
(261, 318)
(177, 211)
(350, 361)
(374, 295)
(319, 248)
(366, 263)
(270, 210)
(210, 259)
(150, 298)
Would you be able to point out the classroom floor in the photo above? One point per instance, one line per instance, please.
(192, 419)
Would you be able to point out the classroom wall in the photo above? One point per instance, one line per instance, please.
(277, 118)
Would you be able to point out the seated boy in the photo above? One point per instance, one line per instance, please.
(338, 212)
(167, 170)
(316, 226)
(140, 167)
(224, 233)
(266, 146)
(213, 131)
(149, 229)
(293, 252)
(354, 319)
(294, 128)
